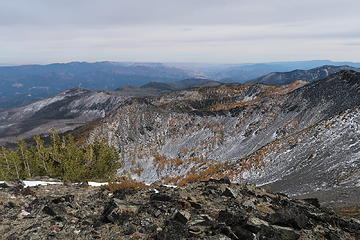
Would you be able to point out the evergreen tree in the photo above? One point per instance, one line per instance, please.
(25, 157)
(5, 166)
(62, 158)
(41, 156)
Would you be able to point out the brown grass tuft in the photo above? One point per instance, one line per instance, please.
(126, 184)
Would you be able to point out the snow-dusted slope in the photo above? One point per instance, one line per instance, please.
(63, 112)
(322, 157)
(185, 132)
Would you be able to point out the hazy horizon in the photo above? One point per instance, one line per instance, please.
(185, 63)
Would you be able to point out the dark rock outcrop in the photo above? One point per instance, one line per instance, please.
(75, 212)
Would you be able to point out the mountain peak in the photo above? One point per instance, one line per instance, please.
(315, 74)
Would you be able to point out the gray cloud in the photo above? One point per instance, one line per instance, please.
(352, 44)
(172, 30)
(197, 12)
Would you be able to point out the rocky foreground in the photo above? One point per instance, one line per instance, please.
(214, 209)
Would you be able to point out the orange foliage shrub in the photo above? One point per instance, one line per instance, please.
(161, 161)
(167, 179)
(204, 175)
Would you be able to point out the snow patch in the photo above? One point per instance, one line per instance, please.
(97, 184)
(169, 186)
(38, 183)
(265, 183)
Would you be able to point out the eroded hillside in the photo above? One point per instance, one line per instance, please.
(217, 131)
(192, 127)
(322, 157)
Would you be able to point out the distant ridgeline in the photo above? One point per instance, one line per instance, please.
(21, 85)
(63, 158)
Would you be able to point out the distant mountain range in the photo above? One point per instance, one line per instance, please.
(21, 85)
(245, 72)
(312, 75)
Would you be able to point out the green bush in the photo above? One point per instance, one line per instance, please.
(63, 158)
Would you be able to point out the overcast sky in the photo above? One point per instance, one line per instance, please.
(44, 31)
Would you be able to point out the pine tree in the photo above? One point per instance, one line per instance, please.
(74, 162)
(25, 157)
(41, 155)
(105, 159)
(63, 158)
(56, 155)
(5, 164)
